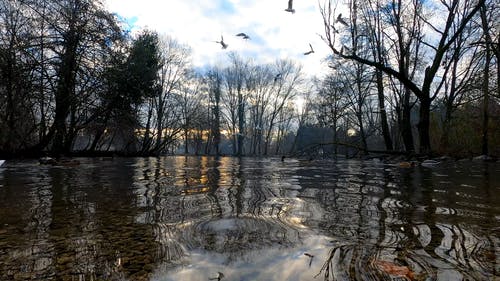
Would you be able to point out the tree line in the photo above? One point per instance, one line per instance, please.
(395, 62)
(73, 79)
(400, 74)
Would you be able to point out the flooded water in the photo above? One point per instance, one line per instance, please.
(201, 218)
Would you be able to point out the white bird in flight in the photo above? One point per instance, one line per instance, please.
(290, 7)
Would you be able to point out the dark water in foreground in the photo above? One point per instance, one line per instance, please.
(178, 218)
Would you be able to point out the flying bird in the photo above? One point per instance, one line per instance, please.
(224, 45)
(290, 7)
(278, 76)
(309, 52)
(243, 35)
(219, 277)
(1, 162)
(341, 20)
(310, 258)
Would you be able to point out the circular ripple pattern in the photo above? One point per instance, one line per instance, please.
(188, 218)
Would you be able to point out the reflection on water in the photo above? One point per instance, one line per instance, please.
(202, 218)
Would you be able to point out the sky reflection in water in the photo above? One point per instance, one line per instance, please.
(188, 218)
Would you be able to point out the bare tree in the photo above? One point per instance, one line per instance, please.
(287, 78)
(374, 27)
(460, 65)
(229, 107)
(423, 85)
(15, 83)
(173, 73)
(332, 105)
(284, 127)
(258, 85)
(63, 46)
(235, 100)
(486, 28)
(189, 99)
(302, 116)
(215, 79)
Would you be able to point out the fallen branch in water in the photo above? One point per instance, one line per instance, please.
(318, 145)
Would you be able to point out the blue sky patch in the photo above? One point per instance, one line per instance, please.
(130, 22)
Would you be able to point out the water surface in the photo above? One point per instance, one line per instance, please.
(198, 218)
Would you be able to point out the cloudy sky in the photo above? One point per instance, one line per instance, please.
(274, 33)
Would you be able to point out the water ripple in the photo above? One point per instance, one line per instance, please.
(188, 218)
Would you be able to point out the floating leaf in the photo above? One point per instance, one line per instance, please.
(394, 269)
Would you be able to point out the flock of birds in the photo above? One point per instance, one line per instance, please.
(289, 9)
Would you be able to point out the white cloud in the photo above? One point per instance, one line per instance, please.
(275, 33)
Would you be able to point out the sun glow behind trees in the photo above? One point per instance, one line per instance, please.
(72, 79)
(413, 45)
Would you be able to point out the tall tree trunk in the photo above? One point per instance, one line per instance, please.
(72, 131)
(65, 90)
(97, 137)
(216, 131)
(11, 105)
(159, 123)
(216, 125)
(378, 53)
(406, 130)
(362, 133)
(444, 141)
(486, 84)
(102, 128)
(43, 123)
(186, 140)
(241, 123)
(335, 139)
(383, 114)
(147, 139)
(424, 125)
(234, 138)
(445, 137)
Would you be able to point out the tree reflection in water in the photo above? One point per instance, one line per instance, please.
(188, 218)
